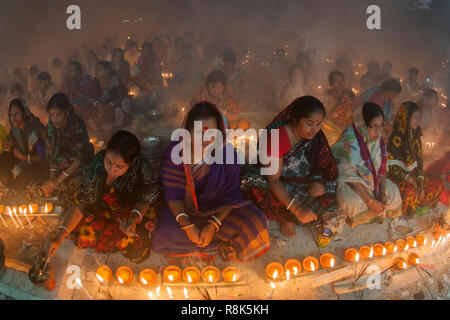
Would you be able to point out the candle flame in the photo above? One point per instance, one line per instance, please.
(331, 262)
(395, 248)
(234, 278)
(295, 270)
(20, 210)
(371, 252)
(169, 292)
(185, 293)
(144, 281)
(78, 281)
(14, 210)
(417, 260)
(406, 247)
(312, 266)
(120, 280)
(288, 275)
(357, 257)
(99, 278)
(170, 277)
(433, 243)
(384, 251)
(210, 278)
(403, 265)
(30, 208)
(189, 278)
(425, 241)
(158, 291)
(414, 244)
(46, 208)
(150, 295)
(273, 285)
(275, 274)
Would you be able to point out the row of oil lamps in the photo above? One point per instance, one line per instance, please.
(292, 267)
(24, 211)
(171, 275)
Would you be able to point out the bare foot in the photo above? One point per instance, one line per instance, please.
(287, 229)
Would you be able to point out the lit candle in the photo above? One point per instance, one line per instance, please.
(293, 266)
(33, 208)
(411, 241)
(400, 263)
(11, 216)
(104, 274)
(379, 250)
(20, 222)
(366, 252)
(48, 208)
(124, 274)
(351, 255)
(402, 245)
(273, 270)
(150, 295)
(231, 274)
(2, 209)
(147, 277)
(191, 275)
(211, 274)
(172, 274)
(390, 247)
(23, 210)
(413, 259)
(185, 291)
(327, 260)
(310, 264)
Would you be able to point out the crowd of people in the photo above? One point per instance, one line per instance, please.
(360, 156)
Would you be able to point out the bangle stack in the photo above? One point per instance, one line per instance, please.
(65, 229)
(217, 220)
(139, 213)
(215, 224)
(66, 173)
(181, 215)
(290, 203)
(188, 226)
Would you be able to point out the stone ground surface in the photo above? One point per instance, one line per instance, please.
(430, 281)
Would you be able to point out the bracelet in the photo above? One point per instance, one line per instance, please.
(217, 220)
(188, 226)
(180, 215)
(29, 158)
(65, 173)
(290, 203)
(65, 229)
(215, 224)
(138, 212)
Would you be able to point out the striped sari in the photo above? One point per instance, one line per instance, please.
(205, 189)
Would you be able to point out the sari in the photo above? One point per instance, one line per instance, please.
(405, 157)
(306, 162)
(102, 207)
(204, 189)
(17, 173)
(363, 161)
(65, 145)
(374, 95)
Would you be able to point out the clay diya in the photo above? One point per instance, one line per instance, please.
(366, 252)
(411, 241)
(147, 277)
(421, 240)
(231, 274)
(390, 247)
(124, 275)
(379, 250)
(48, 208)
(191, 275)
(104, 274)
(172, 274)
(327, 261)
(351, 255)
(211, 274)
(402, 245)
(400, 263)
(274, 270)
(310, 264)
(293, 266)
(413, 259)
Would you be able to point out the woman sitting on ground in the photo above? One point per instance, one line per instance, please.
(205, 213)
(304, 185)
(113, 207)
(364, 192)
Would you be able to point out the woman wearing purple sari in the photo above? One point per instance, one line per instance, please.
(205, 213)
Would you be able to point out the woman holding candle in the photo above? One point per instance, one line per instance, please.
(205, 213)
(405, 161)
(364, 192)
(304, 187)
(24, 156)
(67, 147)
(113, 206)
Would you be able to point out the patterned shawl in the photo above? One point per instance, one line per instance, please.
(359, 159)
(69, 143)
(136, 185)
(405, 150)
(319, 155)
(32, 133)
